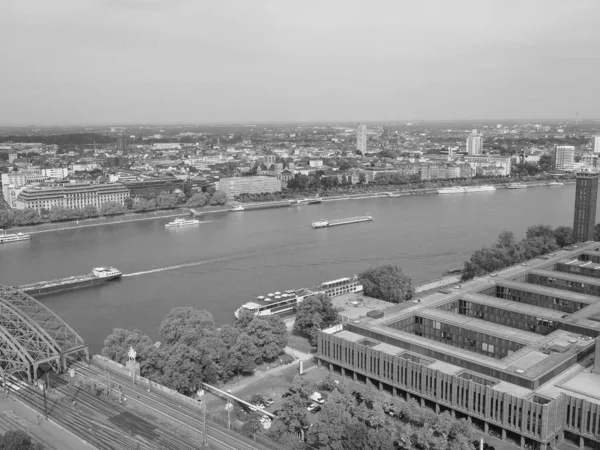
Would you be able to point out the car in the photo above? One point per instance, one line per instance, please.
(268, 402)
(259, 405)
(286, 395)
(312, 407)
(316, 410)
(265, 419)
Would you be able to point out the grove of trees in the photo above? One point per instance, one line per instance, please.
(538, 240)
(313, 314)
(18, 440)
(351, 422)
(388, 283)
(192, 350)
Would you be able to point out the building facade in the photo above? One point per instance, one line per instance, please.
(249, 185)
(490, 165)
(122, 143)
(510, 352)
(586, 196)
(56, 172)
(361, 138)
(564, 157)
(597, 144)
(474, 144)
(72, 195)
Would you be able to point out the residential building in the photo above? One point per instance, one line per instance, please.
(490, 165)
(315, 163)
(72, 195)
(564, 157)
(12, 183)
(512, 352)
(12, 157)
(122, 144)
(597, 144)
(249, 185)
(586, 196)
(474, 144)
(56, 172)
(361, 138)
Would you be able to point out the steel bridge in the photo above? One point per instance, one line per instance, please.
(31, 335)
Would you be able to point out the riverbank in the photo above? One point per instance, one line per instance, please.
(135, 217)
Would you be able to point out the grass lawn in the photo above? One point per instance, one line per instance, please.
(298, 342)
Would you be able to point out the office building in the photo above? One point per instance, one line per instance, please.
(249, 185)
(512, 351)
(597, 144)
(564, 157)
(586, 196)
(71, 195)
(56, 172)
(486, 165)
(474, 144)
(361, 138)
(122, 143)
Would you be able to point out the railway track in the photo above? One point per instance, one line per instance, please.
(185, 415)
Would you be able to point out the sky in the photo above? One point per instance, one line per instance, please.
(251, 61)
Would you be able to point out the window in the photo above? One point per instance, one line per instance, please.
(437, 325)
(484, 347)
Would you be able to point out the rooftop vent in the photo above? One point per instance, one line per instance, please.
(520, 371)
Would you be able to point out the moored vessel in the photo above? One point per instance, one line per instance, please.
(236, 208)
(451, 190)
(348, 220)
(6, 238)
(179, 222)
(516, 186)
(290, 299)
(556, 183)
(96, 276)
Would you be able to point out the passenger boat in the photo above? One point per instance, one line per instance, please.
(556, 183)
(236, 208)
(6, 238)
(179, 222)
(331, 288)
(516, 186)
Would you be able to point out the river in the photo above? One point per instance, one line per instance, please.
(233, 257)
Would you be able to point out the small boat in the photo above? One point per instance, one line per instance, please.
(516, 186)
(271, 295)
(179, 222)
(236, 208)
(277, 293)
(320, 224)
(6, 238)
(556, 183)
(278, 297)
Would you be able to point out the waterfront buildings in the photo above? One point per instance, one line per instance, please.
(72, 195)
(490, 165)
(564, 157)
(361, 138)
(586, 196)
(513, 351)
(474, 144)
(249, 185)
(122, 144)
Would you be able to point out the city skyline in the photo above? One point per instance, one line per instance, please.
(148, 61)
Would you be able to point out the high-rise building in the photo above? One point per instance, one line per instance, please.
(597, 144)
(564, 157)
(474, 144)
(361, 138)
(122, 144)
(586, 195)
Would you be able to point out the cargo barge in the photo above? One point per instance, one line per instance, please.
(348, 220)
(97, 276)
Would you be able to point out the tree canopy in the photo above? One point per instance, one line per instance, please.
(388, 283)
(18, 440)
(313, 314)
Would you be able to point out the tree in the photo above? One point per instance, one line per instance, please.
(388, 283)
(197, 200)
(218, 198)
(539, 231)
(111, 209)
(117, 344)
(90, 211)
(546, 163)
(245, 316)
(186, 324)
(241, 357)
(166, 201)
(563, 236)
(313, 314)
(251, 426)
(128, 203)
(18, 440)
(186, 367)
(269, 335)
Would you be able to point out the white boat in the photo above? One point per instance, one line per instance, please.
(482, 188)
(6, 238)
(451, 190)
(236, 208)
(179, 222)
(517, 186)
(320, 224)
(556, 183)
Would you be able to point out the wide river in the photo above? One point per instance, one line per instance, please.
(234, 257)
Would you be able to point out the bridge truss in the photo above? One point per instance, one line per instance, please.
(32, 335)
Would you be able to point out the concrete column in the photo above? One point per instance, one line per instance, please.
(380, 386)
(486, 427)
(437, 408)
(394, 392)
(330, 367)
(354, 376)
(503, 434)
(407, 396)
(453, 413)
(522, 442)
(543, 446)
(581, 443)
(561, 437)
(318, 362)
(422, 402)
(343, 372)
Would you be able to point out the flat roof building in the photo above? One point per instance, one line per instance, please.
(511, 351)
(249, 185)
(72, 195)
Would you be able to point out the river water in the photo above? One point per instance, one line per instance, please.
(233, 257)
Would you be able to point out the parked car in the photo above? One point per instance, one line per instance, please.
(312, 407)
(286, 395)
(316, 410)
(265, 419)
(268, 402)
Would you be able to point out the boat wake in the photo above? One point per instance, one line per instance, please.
(180, 266)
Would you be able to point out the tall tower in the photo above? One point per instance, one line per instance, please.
(361, 138)
(122, 144)
(586, 196)
(597, 144)
(474, 144)
(564, 157)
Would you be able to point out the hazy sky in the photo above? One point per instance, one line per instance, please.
(199, 61)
